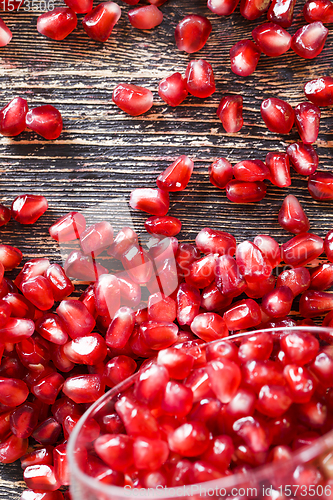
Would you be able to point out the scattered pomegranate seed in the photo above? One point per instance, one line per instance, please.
(220, 173)
(292, 216)
(297, 279)
(192, 33)
(320, 186)
(80, 6)
(250, 171)
(57, 24)
(146, 17)
(5, 34)
(243, 314)
(320, 91)
(209, 326)
(166, 226)
(251, 9)
(12, 117)
(77, 319)
(318, 10)
(281, 12)
(251, 262)
(173, 89)
(99, 22)
(230, 112)
(272, 39)
(244, 57)
(279, 168)
(303, 158)
(302, 249)
(199, 78)
(278, 115)
(307, 118)
(5, 215)
(152, 201)
(138, 264)
(46, 121)
(132, 99)
(245, 192)
(176, 176)
(12, 448)
(269, 248)
(27, 208)
(309, 40)
(222, 7)
(315, 303)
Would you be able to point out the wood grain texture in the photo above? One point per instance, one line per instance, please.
(103, 154)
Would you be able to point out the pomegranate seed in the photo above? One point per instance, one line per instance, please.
(23, 420)
(120, 328)
(160, 306)
(27, 208)
(318, 10)
(10, 257)
(82, 267)
(149, 454)
(269, 248)
(41, 477)
(320, 186)
(222, 7)
(278, 302)
(173, 89)
(77, 319)
(46, 121)
(137, 419)
(313, 413)
(152, 201)
(5, 213)
(212, 299)
(320, 91)
(202, 271)
(252, 10)
(278, 115)
(176, 176)
(39, 456)
(273, 400)
(306, 475)
(322, 277)
(146, 17)
(298, 280)
(209, 326)
(96, 238)
(315, 303)
(303, 158)
(281, 12)
(224, 377)
(216, 242)
(192, 33)
(57, 24)
(322, 367)
(199, 78)
(132, 99)
(309, 40)
(158, 334)
(116, 450)
(250, 171)
(245, 192)
(243, 314)
(61, 285)
(130, 292)
(118, 369)
(188, 304)
(328, 245)
(230, 112)
(256, 347)
(274, 41)
(307, 117)
(300, 347)
(38, 291)
(13, 392)
(88, 350)
(80, 6)
(251, 262)
(107, 296)
(47, 389)
(83, 388)
(31, 269)
(166, 226)
(99, 22)
(253, 434)
(178, 363)
(61, 469)
(138, 264)
(190, 439)
(12, 116)
(12, 448)
(5, 313)
(98, 470)
(292, 216)
(5, 34)
(220, 173)
(256, 290)
(68, 227)
(300, 382)
(278, 165)
(158, 3)
(51, 328)
(177, 399)
(302, 249)
(244, 57)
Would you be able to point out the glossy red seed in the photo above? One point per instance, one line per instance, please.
(38, 456)
(278, 302)
(61, 285)
(149, 454)
(5, 215)
(281, 12)
(245, 192)
(213, 300)
(99, 22)
(172, 89)
(83, 388)
(46, 121)
(51, 328)
(137, 418)
(224, 377)
(199, 78)
(256, 290)
(138, 264)
(250, 171)
(38, 291)
(320, 186)
(13, 392)
(146, 17)
(12, 116)
(158, 334)
(12, 448)
(309, 41)
(192, 33)
(152, 201)
(303, 158)
(274, 400)
(188, 304)
(31, 269)
(269, 248)
(300, 382)
(15, 330)
(229, 279)
(5, 34)
(27, 208)
(216, 242)
(10, 257)
(278, 115)
(251, 262)
(68, 227)
(107, 296)
(83, 267)
(322, 277)
(120, 328)
(230, 112)
(300, 347)
(190, 439)
(202, 271)
(292, 216)
(278, 165)
(160, 306)
(177, 399)
(130, 292)
(96, 238)
(23, 420)
(243, 314)
(46, 389)
(166, 226)
(88, 350)
(57, 24)
(41, 477)
(5, 313)
(320, 91)
(307, 118)
(118, 369)
(116, 450)
(209, 326)
(220, 173)
(61, 468)
(244, 57)
(253, 434)
(274, 41)
(318, 10)
(132, 99)
(256, 347)
(328, 245)
(222, 7)
(177, 362)
(302, 249)
(77, 319)
(315, 303)
(251, 9)
(177, 175)
(80, 6)
(297, 279)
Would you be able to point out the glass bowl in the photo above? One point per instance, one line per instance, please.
(305, 473)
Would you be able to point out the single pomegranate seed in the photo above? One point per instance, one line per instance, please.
(250, 171)
(158, 334)
(278, 302)
(302, 249)
(5, 213)
(230, 112)
(5, 34)
(185, 255)
(209, 326)
(47, 389)
(220, 173)
(116, 450)
(12, 448)
(149, 454)
(256, 290)
(107, 296)
(166, 226)
(300, 382)
(309, 40)
(198, 381)
(313, 413)
(158, 3)
(60, 361)
(292, 216)
(80, 6)
(273, 400)
(160, 306)
(38, 290)
(251, 9)
(188, 303)
(278, 115)
(34, 352)
(146, 17)
(320, 91)
(83, 267)
(199, 78)
(138, 264)
(306, 475)
(224, 377)
(39, 456)
(177, 399)
(176, 176)
(13, 392)
(118, 369)
(281, 12)
(320, 186)
(83, 388)
(251, 262)
(303, 158)
(61, 285)
(96, 238)
(10, 257)
(307, 117)
(57, 24)
(16, 330)
(99, 22)
(318, 10)
(245, 192)
(278, 164)
(27, 208)
(322, 367)
(202, 271)
(253, 434)
(12, 116)
(214, 241)
(41, 477)
(300, 347)
(137, 418)
(132, 99)
(88, 350)
(77, 319)
(45, 120)
(68, 227)
(274, 41)
(244, 57)
(172, 89)
(256, 347)
(269, 248)
(243, 314)
(220, 452)
(297, 279)
(5, 312)
(190, 439)
(177, 362)
(222, 7)
(328, 245)
(61, 469)
(152, 201)
(120, 328)
(213, 300)
(315, 303)
(192, 33)
(130, 292)
(322, 277)
(23, 420)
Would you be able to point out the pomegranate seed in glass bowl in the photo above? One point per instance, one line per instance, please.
(262, 421)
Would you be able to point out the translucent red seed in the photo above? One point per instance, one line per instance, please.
(132, 99)
(281, 12)
(57, 24)
(292, 216)
(99, 22)
(244, 57)
(192, 33)
(176, 176)
(245, 192)
(230, 112)
(272, 39)
(46, 121)
(152, 201)
(172, 89)
(146, 17)
(320, 186)
(278, 115)
(307, 118)
(220, 173)
(309, 41)
(199, 78)
(12, 117)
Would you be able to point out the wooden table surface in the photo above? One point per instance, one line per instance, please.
(103, 154)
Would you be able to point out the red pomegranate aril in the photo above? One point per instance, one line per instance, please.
(12, 448)
(5, 313)
(5, 215)
(241, 405)
(300, 382)
(130, 292)
(253, 434)
(278, 165)
(224, 378)
(120, 328)
(34, 352)
(116, 450)
(152, 201)
(318, 10)
(320, 91)
(302, 249)
(269, 248)
(322, 367)
(83, 267)
(46, 121)
(172, 89)
(220, 173)
(77, 319)
(27, 208)
(47, 432)
(12, 116)
(16, 330)
(80, 6)
(41, 478)
(292, 216)
(274, 41)
(38, 291)
(250, 171)
(68, 227)
(307, 119)
(274, 400)
(202, 271)
(281, 12)
(322, 277)
(10, 257)
(300, 347)
(38, 457)
(245, 192)
(57, 24)
(177, 362)
(83, 388)
(158, 3)
(13, 392)
(243, 314)
(303, 158)
(177, 399)
(99, 22)
(309, 41)
(107, 296)
(5, 34)
(118, 369)
(185, 255)
(220, 452)
(146, 17)
(213, 300)
(251, 262)
(47, 389)
(320, 186)
(315, 303)
(278, 115)
(328, 245)
(158, 334)
(297, 279)
(150, 386)
(149, 454)
(61, 285)
(160, 306)
(258, 373)
(256, 290)
(190, 439)
(166, 226)
(176, 176)
(230, 112)
(132, 99)
(60, 361)
(313, 414)
(96, 238)
(192, 33)
(222, 7)
(23, 420)
(88, 350)
(229, 280)
(256, 347)
(216, 242)
(188, 303)
(51, 328)
(209, 326)
(199, 78)
(138, 264)
(137, 418)
(32, 268)
(244, 57)
(90, 430)
(61, 468)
